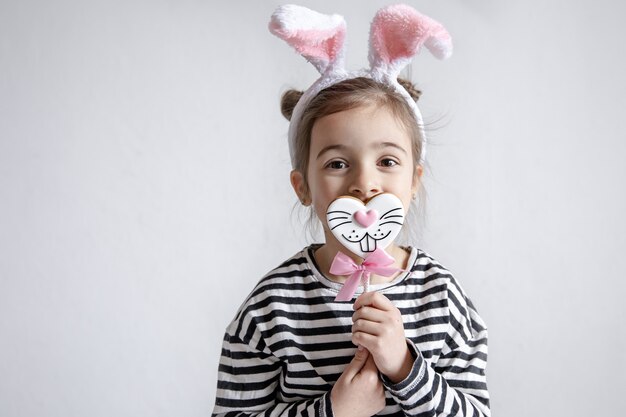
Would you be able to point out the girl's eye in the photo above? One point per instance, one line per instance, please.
(388, 162)
(337, 165)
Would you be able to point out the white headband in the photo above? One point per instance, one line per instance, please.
(396, 35)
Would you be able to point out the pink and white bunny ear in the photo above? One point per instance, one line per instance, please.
(318, 37)
(397, 34)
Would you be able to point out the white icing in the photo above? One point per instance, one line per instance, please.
(385, 213)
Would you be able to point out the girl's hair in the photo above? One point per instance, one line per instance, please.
(346, 95)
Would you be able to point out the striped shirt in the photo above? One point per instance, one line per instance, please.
(289, 343)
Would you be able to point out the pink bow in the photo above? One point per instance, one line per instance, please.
(377, 262)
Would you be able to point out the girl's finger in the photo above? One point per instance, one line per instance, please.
(366, 326)
(370, 365)
(367, 341)
(373, 299)
(357, 363)
(370, 314)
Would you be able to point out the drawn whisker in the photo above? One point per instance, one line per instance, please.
(391, 221)
(337, 218)
(340, 224)
(394, 209)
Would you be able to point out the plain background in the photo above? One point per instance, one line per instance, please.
(144, 191)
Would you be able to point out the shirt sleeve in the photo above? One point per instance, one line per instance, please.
(456, 384)
(248, 380)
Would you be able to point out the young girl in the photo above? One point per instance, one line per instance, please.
(414, 343)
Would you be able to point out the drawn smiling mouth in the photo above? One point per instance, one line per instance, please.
(367, 242)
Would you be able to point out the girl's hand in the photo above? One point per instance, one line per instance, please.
(377, 327)
(359, 391)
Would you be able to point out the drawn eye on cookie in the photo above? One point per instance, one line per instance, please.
(362, 228)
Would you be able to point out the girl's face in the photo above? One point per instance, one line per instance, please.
(359, 152)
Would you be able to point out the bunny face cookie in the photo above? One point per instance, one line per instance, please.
(363, 228)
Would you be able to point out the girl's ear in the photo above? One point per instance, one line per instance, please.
(300, 187)
(417, 179)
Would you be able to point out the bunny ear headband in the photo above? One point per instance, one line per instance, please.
(396, 36)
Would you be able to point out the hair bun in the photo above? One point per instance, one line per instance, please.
(288, 102)
(410, 88)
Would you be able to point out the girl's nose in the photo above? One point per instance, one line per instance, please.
(364, 184)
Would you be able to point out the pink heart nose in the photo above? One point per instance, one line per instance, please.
(366, 219)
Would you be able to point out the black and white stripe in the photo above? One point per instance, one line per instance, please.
(290, 342)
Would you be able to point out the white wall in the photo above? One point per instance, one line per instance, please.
(142, 153)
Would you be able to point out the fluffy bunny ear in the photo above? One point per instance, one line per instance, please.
(317, 37)
(397, 34)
